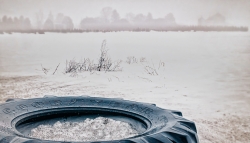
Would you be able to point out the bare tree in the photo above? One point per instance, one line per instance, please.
(39, 19)
(88, 23)
(170, 18)
(51, 17)
(4, 22)
(48, 25)
(27, 24)
(106, 13)
(115, 16)
(68, 23)
(58, 21)
(149, 17)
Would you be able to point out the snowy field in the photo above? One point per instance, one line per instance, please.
(206, 75)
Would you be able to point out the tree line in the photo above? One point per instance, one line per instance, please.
(9, 23)
(109, 20)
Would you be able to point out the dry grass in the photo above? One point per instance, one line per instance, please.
(105, 63)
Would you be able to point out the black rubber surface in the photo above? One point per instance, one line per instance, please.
(154, 124)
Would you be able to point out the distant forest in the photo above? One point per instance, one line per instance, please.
(110, 21)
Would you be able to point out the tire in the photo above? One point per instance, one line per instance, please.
(154, 124)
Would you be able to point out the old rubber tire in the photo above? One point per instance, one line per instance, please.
(156, 125)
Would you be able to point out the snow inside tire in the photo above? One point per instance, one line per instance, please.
(155, 125)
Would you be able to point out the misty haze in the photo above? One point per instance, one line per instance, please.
(191, 56)
(110, 20)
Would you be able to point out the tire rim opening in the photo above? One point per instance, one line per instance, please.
(28, 123)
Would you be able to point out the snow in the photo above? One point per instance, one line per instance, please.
(98, 129)
(205, 74)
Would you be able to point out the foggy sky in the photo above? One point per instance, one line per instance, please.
(237, 12)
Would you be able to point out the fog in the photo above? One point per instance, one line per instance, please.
(186, 55)
(236, 12)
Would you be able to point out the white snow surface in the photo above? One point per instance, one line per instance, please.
(98, 129)
(205, 75)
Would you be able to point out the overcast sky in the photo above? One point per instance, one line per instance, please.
(237, 12)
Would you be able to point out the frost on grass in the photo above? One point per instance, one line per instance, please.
(98, 129)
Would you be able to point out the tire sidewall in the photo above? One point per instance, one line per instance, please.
(12, 112)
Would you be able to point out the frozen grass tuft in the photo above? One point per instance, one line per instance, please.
(104, 63)
(98, 129)
(131, 60)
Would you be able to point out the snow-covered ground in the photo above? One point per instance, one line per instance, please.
(206, 75)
